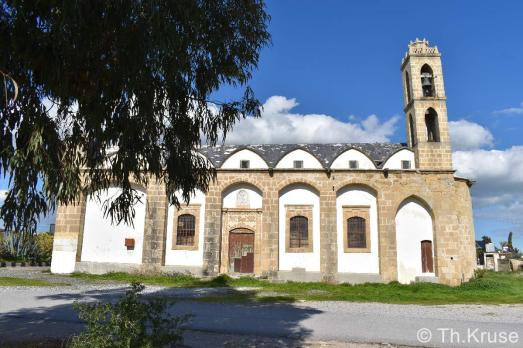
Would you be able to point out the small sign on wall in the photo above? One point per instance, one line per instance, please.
(129, 243)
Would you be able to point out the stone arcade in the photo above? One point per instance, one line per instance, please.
(333, 212)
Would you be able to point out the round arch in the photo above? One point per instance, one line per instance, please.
(287, 186)
(296, 149)
(351, 184)
(242, 194)
(244, 148)
(355, 149)
(230, 186)
(393, 154)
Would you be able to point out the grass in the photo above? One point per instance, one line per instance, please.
(491, 288)
(12, 281)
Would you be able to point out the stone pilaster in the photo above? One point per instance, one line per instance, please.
(328, 233)
(68, 236)
(155, 227)
(212, 239)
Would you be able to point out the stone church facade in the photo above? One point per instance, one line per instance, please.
(332, 212)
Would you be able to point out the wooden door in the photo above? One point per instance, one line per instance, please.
(427, 265)
(241, 251)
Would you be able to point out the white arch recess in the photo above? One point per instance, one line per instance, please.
(413, 225)
(185, 257)
(342, 161)
(309, 161)
(242, 195)
(299, 194)
(104, 241)
(394, 161)
(255, 160)
(357, 262)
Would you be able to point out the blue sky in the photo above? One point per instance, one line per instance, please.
(336, 64)
(341, 59)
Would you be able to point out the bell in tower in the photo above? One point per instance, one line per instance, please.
(427, 81)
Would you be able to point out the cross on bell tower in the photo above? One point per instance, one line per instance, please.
(425, 106)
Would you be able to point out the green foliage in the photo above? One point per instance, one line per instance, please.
(479, 273)
(486, 287)
(486, 239)
(44, 250)
(19, 246)
(122, 86)
(481, 284)
(13, 281)
(131, 322)
(509, 242)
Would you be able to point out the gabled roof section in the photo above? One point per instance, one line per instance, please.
(325, 153)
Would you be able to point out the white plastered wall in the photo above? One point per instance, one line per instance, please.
(413, 224)
(342, 161)
(64, 256)
(299, 195)
(233, 162)
(394, 162)
(104, 241)
(357, 262)
(309, 161)
(254, 197)
(193, 258)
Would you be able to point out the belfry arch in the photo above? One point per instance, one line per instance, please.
(432, 124)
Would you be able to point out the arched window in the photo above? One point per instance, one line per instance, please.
(407, 86)
(412, 131)
(427, 81)
(299, 232)
(431, 121)
(356, 232)
(185, 229)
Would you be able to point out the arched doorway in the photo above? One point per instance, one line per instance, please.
(241, 251)
(414, 241)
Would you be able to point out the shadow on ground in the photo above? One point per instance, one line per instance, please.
(250, 317)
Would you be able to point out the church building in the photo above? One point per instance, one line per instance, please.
(375, 212)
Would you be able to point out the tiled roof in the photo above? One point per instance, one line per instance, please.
(325, 153)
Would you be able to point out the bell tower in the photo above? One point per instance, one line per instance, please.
(425, 106)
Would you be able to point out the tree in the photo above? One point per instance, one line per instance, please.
(486, 239)
(115, 92)
(509, 242)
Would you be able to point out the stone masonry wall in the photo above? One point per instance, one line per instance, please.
(448, 198)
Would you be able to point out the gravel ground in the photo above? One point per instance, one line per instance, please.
(38, 312)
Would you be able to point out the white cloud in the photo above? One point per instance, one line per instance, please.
(467, 135)
(498, 191)
(279, 124)
(3, 194)
(510, 111)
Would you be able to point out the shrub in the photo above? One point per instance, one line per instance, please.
(479, 273)
(131, 322)
(44, 247)
(481, 284)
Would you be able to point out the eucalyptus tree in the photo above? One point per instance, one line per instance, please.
(97, 93)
